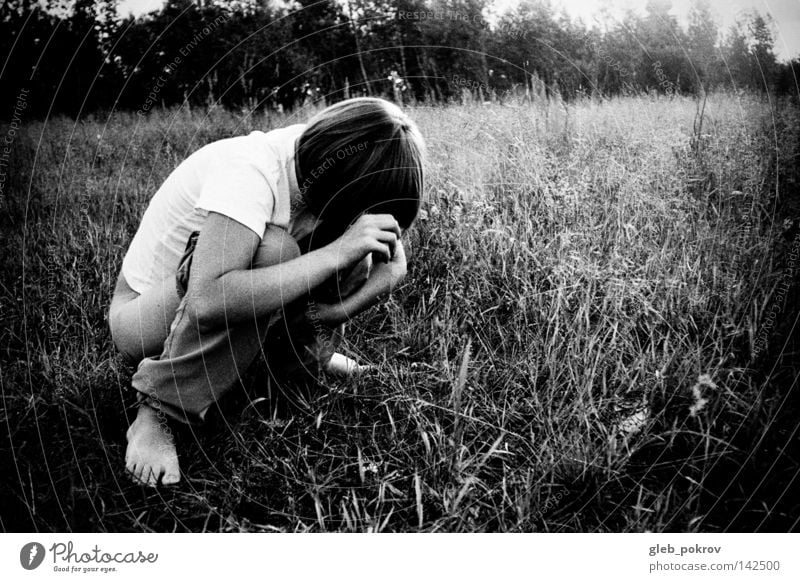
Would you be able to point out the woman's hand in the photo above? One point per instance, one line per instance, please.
(371, 233)
(382, 280)
(395, 270)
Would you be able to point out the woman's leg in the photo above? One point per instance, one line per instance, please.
(140, 323)
(312, 345)
(195, 368)
(317, 343)
(192, 372)
(338, 364)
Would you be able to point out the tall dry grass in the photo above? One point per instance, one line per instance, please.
(573, 349)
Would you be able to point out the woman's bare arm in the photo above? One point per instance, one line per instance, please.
(224, 290)
(382, 280)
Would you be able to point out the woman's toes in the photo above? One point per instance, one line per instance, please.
(150, 477)
(135, 471)
(172, 470)
(170, 478)
(341, 365)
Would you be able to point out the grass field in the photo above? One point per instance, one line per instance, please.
(597, 333)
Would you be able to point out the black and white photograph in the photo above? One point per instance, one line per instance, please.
(416, 266)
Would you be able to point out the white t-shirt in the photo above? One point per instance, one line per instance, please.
(250, 179)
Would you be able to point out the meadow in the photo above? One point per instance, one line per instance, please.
(597, 333)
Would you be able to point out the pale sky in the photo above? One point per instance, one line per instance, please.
(784, 13)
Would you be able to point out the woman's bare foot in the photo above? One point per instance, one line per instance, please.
(341, 365)
(151, 457)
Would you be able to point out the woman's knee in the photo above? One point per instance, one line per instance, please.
(120, 333)
(122, 337)
(139, 323)
(277, 246)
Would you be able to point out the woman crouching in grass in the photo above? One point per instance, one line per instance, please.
(217, 261)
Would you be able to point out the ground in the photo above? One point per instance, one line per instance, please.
(597, 333)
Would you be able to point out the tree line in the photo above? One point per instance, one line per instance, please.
(80, 56)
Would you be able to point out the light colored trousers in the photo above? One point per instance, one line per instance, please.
(183, 371)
